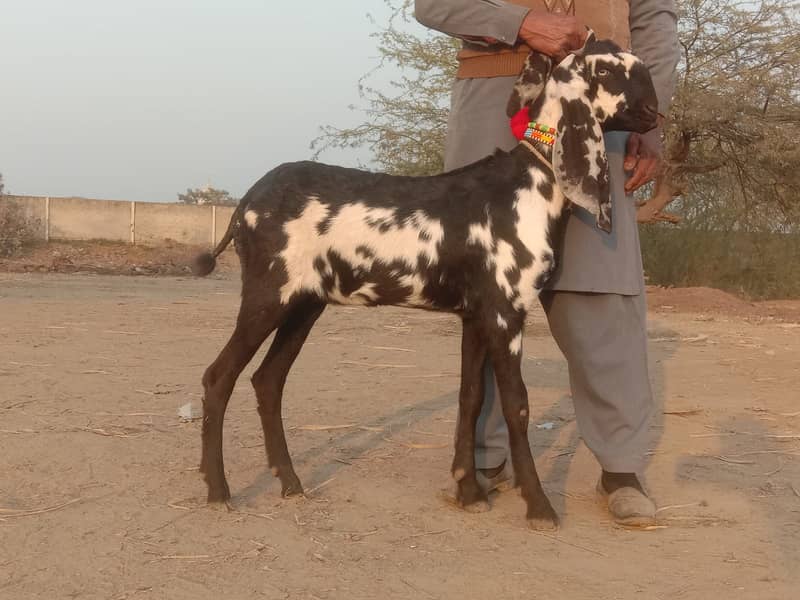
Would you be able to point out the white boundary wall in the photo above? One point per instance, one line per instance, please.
(147, 223)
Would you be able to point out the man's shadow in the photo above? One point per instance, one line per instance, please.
(754, 469)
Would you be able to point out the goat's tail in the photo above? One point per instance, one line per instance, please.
(204, 263)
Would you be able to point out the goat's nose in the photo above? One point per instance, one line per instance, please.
(650, 110)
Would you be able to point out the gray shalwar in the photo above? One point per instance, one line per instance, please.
(595, 303)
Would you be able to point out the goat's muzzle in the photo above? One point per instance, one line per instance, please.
(648, 118)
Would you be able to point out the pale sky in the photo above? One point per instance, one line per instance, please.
(141, 100)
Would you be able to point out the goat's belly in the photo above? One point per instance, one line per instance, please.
(377, 289)
(337, 282)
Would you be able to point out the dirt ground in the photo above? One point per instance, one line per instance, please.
(108, 258)
(100, 496)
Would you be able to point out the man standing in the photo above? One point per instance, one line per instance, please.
(595, 303)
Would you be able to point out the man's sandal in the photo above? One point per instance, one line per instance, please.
(628, 506)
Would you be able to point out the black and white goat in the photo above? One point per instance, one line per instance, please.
(477, 242)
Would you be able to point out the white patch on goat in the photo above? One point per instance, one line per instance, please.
(528, 92)
(501, 322)
(608, 103)
(417, 285)
(302, 247)
(357, 226)
(504, 262)
(480, 234)
(515, 346)
(499, 254)
(251, 218)
(363, 295)
(534, 214)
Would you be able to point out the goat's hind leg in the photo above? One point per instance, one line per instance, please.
(253, 325)
(505, 350)
(469, 494)
(268, 382)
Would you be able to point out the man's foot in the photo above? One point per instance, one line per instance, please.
(626, 499)
(498, 479)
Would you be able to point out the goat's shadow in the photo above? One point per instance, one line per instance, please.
(358, 442)
(545, 372)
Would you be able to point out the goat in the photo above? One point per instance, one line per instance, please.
(477, 242)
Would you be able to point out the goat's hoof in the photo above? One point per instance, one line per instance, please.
(474, 502)
(481, 506)
(217, 498)
(542, 519)
(224, 506)
(219, 495)
(292, 489)
(543, 524)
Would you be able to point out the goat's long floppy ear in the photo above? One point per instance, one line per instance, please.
(530, 83)
(579, 161)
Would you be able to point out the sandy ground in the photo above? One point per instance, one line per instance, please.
(100, 495)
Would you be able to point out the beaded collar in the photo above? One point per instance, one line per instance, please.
(530, 133)
(541, 133)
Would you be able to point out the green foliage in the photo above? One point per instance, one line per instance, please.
(756, 265)
(735, 120)
(405, 126)
(207, 195)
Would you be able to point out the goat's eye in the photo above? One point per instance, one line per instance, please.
(603, 72)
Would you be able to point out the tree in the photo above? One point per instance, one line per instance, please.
(405, 126)
(207, 195)
(730, 148)
(2, 185)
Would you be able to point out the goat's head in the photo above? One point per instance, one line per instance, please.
(598, 88)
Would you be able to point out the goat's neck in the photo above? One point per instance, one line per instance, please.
(540, 207)
(545, 111)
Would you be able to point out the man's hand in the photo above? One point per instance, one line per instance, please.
(552, 34)
(642, 158)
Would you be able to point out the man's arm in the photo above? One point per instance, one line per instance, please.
(472, 19)
(654, 38)
(495, 21)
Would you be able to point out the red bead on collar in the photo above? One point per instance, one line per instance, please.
(524, 129)
(519, 123)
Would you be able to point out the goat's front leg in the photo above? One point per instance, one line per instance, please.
(505, 349)
(470, 496)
